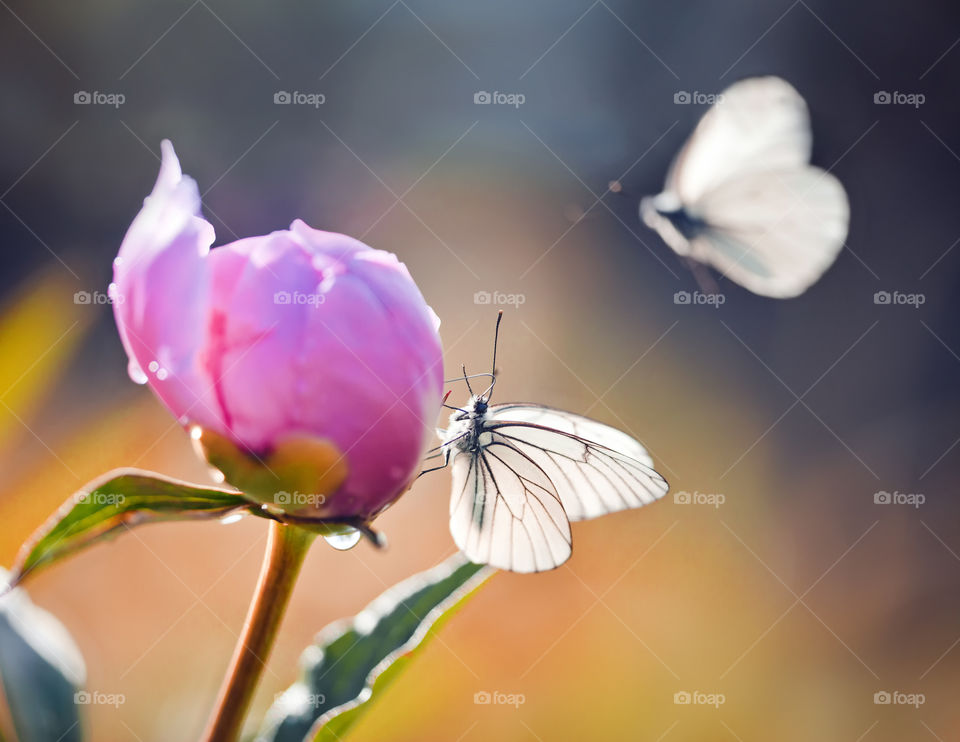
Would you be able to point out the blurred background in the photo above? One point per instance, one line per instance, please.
(777, 577)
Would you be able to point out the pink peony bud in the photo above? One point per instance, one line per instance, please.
(271, 341)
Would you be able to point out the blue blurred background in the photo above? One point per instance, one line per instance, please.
(798, 598)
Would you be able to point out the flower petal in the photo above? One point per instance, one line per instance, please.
(160, 288)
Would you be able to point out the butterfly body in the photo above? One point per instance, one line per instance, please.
(678, 226)
(465, 432)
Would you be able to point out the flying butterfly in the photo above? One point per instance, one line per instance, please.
(743, 197)
(523, 472)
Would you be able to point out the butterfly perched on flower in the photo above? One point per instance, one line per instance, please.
(523, 472)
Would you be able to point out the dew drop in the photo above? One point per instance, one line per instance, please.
(136, 373)
(159, 371)
(345, 540)
(232, 518)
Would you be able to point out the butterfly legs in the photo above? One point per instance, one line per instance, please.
(441, 450)
(701, 274)
(446, 460)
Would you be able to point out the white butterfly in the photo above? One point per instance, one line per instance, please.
(523, 472)
(742, 196)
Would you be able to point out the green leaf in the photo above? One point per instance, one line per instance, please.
(41, 671)
(353, 661)
(120, 499)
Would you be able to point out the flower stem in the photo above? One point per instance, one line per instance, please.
(286, 548)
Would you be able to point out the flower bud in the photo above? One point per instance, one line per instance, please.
(308, 361)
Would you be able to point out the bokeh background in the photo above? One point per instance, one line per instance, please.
(798, 598)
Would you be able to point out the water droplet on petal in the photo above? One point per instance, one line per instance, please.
(155, 368)
(232, 518)
(344, 541)
(136, 373)
(113, 291)
(118, 260)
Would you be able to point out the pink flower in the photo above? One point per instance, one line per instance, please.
(292, 336)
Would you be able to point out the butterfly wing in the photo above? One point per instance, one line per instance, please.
(776, 232)
(760, 123)
(505, 511)
(596, 469)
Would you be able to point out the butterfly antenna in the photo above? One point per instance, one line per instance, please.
(466, 379)
(493, 367)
